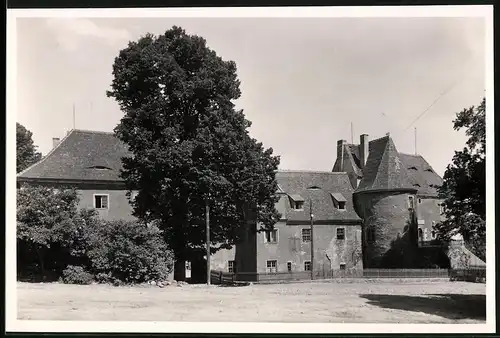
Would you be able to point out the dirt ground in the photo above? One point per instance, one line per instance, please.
(362, 302)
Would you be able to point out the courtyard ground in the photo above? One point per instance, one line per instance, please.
(348, 302)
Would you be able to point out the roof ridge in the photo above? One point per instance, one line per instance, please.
(380, 138)
(93, 131)
(48, 154)
(408, 154)
(309, 171)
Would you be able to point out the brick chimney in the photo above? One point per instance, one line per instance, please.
(340, 154)
(363, 150)
(55, 141)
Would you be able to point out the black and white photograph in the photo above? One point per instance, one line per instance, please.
(251, 170)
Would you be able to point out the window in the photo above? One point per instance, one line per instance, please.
(441, 208)
(306, 235)
(425, 234)
(298, 205)
(419, 200)
(340, 233)
(420, 234)
(342, 266)
(297, 202)
(411, 202)
(289, 266)
(413, 168)
(339, 200)
(272, 236)
(272, 266)
(433, 234)
(101, 201)
(307, 266)
(231, 266)
(370, 235)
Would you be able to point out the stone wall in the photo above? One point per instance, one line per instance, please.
(386, 216)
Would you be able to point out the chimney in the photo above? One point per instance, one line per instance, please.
(340, 154)
(363, 150)
(55, 142)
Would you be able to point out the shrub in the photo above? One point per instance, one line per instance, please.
(76, 275)
(128, 251)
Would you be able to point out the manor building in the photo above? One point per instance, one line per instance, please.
(344, 219)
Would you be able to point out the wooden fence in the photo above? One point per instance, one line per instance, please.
(220, 277)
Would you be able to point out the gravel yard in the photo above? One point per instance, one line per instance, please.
(348, 302)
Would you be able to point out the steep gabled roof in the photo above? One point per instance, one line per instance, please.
(351, 159)
(299, 182)
(80, 156)
(422, 174)
(384, 169)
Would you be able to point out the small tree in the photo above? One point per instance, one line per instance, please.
(26, 153)
(48, 218)
(464, 186)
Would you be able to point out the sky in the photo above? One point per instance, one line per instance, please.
(304, 81)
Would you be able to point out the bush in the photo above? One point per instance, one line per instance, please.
(76, 275)
(129, 252)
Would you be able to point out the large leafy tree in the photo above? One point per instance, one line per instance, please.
(26, 151)
(464, 186)
(189, 145)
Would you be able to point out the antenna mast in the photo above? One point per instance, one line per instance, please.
(74, 123)
(416, 141)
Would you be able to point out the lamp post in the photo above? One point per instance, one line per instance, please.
(311, 216)
(207, 229)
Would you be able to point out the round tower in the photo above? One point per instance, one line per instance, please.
(385, 200)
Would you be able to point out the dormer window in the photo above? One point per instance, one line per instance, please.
(416, 185)
(100, 167)
(339, 201)
(429, 170)
(413, 168)
(297, 202)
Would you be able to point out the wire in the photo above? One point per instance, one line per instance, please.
(434, 102)
(441, 95)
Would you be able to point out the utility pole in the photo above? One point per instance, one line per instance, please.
(312, 236)
(207, 219)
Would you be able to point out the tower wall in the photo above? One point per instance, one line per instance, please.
(386, 216)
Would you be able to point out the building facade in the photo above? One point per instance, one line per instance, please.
(345, 219)
(286, 250)
(89, 161)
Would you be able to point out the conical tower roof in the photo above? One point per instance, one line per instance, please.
(384, 170)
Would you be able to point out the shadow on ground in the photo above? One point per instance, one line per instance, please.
(451, 306)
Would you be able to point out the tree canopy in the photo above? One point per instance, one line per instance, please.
(189, 144)
(26, 151)
(464, 186)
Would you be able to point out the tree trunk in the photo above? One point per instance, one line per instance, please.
(41, 256)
